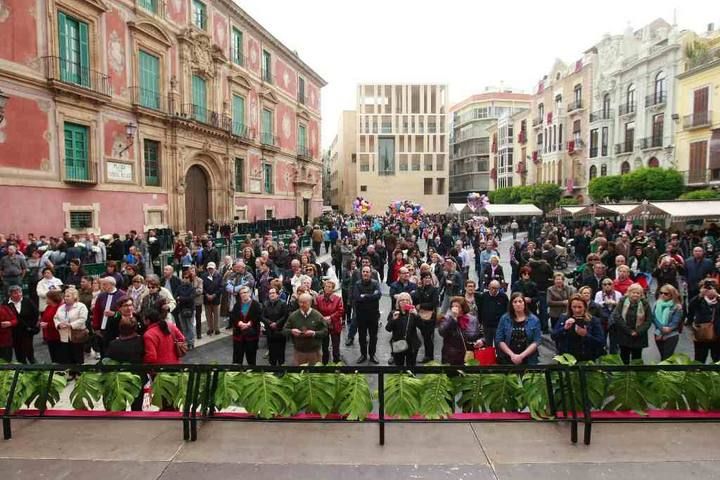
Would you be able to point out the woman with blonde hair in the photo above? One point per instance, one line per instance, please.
(667, 319)
(70, 321)
(137, 291)
(578, 332)
(631, 321)
(403, 324)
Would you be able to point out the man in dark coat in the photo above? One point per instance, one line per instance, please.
(26, 312)
(491, 305)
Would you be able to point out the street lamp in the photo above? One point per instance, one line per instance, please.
(3, 101)
(645, 214)
(130, 130)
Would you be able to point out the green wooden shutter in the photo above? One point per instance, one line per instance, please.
(152, 163)
(199, 97)
(149, 80)
(267, 127)
(237, 45)
(84, 55)
(76, 152)
(239, 174)
(238, 115)
(63, 45)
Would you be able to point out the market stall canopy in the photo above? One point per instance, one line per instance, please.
(511, 210)
(607, 209)
(567, 211)
(701, 209)
(455, 208)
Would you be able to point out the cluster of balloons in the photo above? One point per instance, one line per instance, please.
(406, 210)
(361, 206)
(477, 201)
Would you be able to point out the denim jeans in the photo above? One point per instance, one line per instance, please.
(543, 311)
(187, 325)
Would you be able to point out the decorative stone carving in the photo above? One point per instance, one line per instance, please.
(200, 52)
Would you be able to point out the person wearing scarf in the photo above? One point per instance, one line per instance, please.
(460, 332)
(631, 321)
(707, 310)
(667, 317)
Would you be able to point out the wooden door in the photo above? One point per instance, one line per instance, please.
(197, 211)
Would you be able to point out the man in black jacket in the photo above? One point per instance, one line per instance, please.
(542, 275)
(212, 292)
(491, 306)
(27, 315)
(403, 284)
(366, 299)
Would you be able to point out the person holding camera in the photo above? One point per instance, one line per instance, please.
(578, 333)
(706, 322)
(461, 332)
(403, 323)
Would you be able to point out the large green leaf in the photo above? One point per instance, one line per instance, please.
(681, 390)
(535, 393)
(626, 392)
(120, 389)
(37, 382)
(165, 389)
(503, 393)
(22, 389)
(87, 391)
(436, 399)
(402, 395)
(265, 395)
(315, 392)
(227, 391)
(356, 399)
(469, 390)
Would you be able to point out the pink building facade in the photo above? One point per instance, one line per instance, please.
(226, 118)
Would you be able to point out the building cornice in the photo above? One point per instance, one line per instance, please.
(699, 68)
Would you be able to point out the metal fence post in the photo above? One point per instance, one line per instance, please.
(7, 429)
(587, 420)
(381, 407)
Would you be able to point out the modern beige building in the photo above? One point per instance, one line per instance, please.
(343, 160)
(397, 150)
(470, 145)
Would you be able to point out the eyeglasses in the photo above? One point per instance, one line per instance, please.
(605, 284)
(664, 293)
(153, 286)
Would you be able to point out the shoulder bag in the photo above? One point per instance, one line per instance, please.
(401, 346)
(181, 346)
(469, 354)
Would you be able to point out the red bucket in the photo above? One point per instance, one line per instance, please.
(485, 356)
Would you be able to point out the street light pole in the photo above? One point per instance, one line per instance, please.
(645, 214)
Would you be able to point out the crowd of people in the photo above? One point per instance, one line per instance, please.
(440, 274)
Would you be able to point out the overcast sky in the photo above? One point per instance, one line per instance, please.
(467, 44)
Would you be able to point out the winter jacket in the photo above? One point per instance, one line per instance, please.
(253, 315)
(491, 309)
(405, 327)
(556, 297)
(160, 348)
(455, 342)
(331, 306)
(50, 333)
(586, 348)
(212, 285)
(274, 312)
(532, 330)
(6, 333)
(625, 327)
(76, 315)
(313, 321)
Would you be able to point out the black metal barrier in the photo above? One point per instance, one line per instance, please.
(567, 389)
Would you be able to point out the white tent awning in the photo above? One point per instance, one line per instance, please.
(455, 208)
(512, 210)
(709, 209)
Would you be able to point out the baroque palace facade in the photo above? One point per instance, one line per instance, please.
(132, 114)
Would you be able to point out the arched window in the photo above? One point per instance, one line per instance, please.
(653, 162)
(603, 170)
(660, 87)
(630, 98)
(606, 106)
(593, 172)
(625, 168)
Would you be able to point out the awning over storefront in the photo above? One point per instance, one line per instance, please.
(606, 210)
(511, 210)
(701, 209)
(565, 211)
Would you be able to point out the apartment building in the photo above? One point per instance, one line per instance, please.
(402, 145)
(131, 114)
(698, 94)
(470, 143)
(634, 99)
(560, 116)
(509, 159)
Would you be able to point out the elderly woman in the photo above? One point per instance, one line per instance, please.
(245, 318)
(558, 298)
(461, 332)
(48, 283)
(427, 301)
(50, 334)
(578, 332)
(631, 321)
(493, 272)
(518, 335)
(332, 309)
(403, 324)
(155, 298)
(137, 291)
(667, 320)
(70, 321)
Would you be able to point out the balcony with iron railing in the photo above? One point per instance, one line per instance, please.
(655, 99)
(211, 118)
(522, 137)
(701, 177)
(268, 77)
(268, 140)
(624, 148)
(80, 172)
(697, 120)
(304, 153)
(648, 143)
(71, 77)
(600, 115)
(237, 56)
(577, 105)
(148, 99)
(241, 131)
(593, 152)
(537, 122)
(627, 109)
(575, 146)
(301, 97)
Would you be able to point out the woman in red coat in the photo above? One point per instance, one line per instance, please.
(8, 321)
(330, 306)
(394, 268)
(51, 336)
(160, 338)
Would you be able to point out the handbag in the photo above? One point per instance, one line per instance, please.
(469, 354)
(704, 332)
(79, 336)
(485, 356)
(181, 347)
(401, 346)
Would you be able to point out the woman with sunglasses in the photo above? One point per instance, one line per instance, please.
(137, 291)
(667, 319)
(156, 299)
